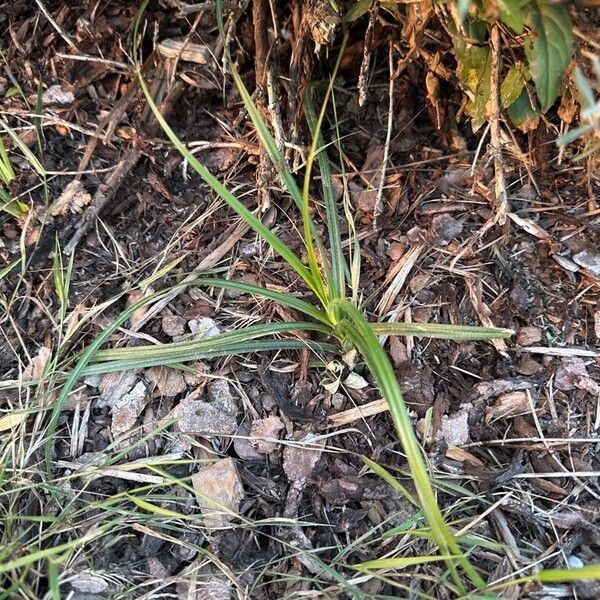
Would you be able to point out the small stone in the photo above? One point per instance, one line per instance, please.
(127, 409)
(219, 490)
(265, 429)
(244, 448)
(56, 95)
(89, 582)
(114, 386)
(219, 393)
(527, 336)
(156, 568)
(201, 418)
(574, 562)
(203, 327)
(173, 325)
(300, 461)
(588, 259)
(211, 588)
(455, 428)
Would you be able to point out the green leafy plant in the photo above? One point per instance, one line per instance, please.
(541, 46)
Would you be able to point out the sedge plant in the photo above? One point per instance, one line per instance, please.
(334, 312)
(326, 275)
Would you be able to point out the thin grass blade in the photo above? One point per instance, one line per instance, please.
(354, 328)
(338, 263)
(441, 331)
(283, 299)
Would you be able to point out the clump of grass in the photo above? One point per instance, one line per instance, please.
(333, 281)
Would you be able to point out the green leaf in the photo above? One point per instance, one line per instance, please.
(400, 562)
(15, 208)
(354, 328)
(338, 263)
(522, 114)
(511, 14)
(357, 10)
(512, 86)
(550, 52)
(474, 70)
(284, 299)
(390, 479)
(169, 359)
(186, 350)
(441, 331)
(556, 575)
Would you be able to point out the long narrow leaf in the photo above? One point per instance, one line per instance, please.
(248, 216)
(83, 361)
(192, 355)
(338, 262)
(441, 331)
(355, 328)
(279, 297)
(308, 230)
(212, 343)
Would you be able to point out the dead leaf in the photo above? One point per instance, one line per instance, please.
(139, 314)
(169, 382)
(507, 406)
(219, 491)
(417, 386)
(572, 374)
(526, 336)
(35, 369)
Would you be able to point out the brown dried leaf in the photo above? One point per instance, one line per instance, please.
(169, 382)
(507, 406)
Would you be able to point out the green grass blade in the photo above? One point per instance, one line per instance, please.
(226, 350)
(354, 328)
(7, 173)
(27, 153)
(306, 222)
(284, 299)
(212, 343)
(83, 361)
(441, 331)
(390, 479)
(400, 562)
(267, 140)
(338, 262)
